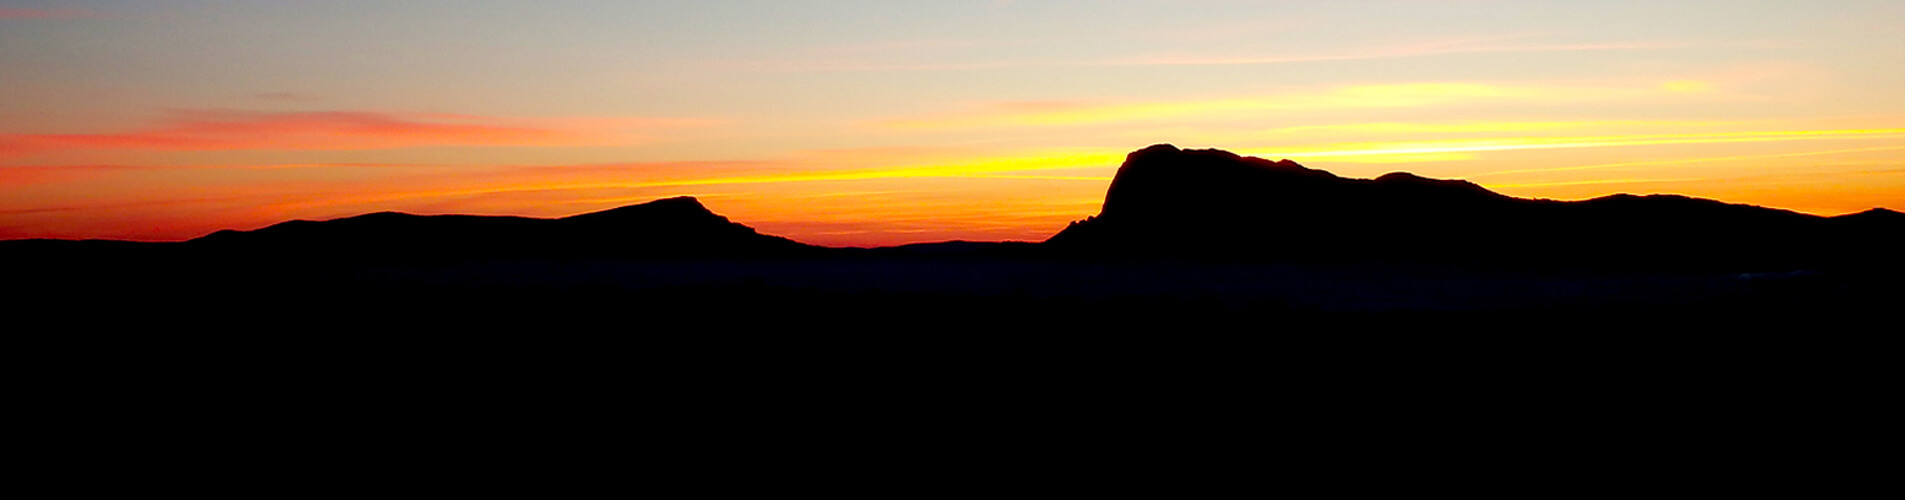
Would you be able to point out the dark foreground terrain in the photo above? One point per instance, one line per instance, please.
(1190, 242)
(1222, 315)
(898, 290)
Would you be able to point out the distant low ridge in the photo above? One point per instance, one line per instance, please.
(663, 228)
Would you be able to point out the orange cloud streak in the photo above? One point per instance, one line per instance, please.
(838, 197)
(1418, 49)
(22, 176)
(1398, 95)
(336, 130)
(1502, 44)
(46, 13)
(1526, 143)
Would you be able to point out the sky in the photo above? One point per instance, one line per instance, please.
(866, 123)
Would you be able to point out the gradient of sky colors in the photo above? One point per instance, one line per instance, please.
(882, 122)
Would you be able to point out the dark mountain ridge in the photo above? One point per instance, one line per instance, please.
(1213, 204)
(1164, 202)
(1185, 237)
(673, 227)
(1203, 266)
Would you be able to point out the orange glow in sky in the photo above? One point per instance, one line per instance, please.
(876, 123)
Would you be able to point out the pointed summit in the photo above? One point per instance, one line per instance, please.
(1160, 148)
(677, 209)
(1163, 180)
(1876, 214)
(1164, 198)
(1408, 181)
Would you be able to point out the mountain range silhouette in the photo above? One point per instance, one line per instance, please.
(1206, 279)
(1210, 286)
(1180, 204)
(1182, 234)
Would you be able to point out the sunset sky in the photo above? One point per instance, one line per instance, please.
(893, 121)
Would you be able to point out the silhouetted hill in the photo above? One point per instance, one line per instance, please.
(1339, 285)
(1877, 218)
(1197, 237)
(674, 227)
(1212, 204)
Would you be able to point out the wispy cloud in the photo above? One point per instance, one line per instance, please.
(28, 175)
(1402, 95)
(796, 168)
(1479, 126)
(47, 13)
(899, 168)
(1419, 48)
(1355, 150)
(202, 130)
(1423, 48)
(1594, 182)
(286, 96)
(1686, 161)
